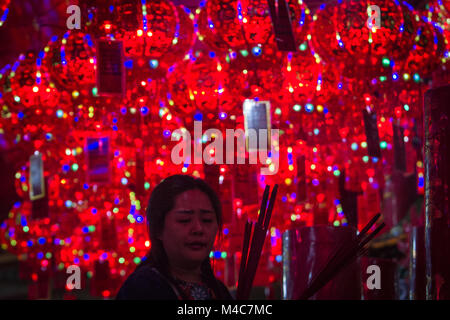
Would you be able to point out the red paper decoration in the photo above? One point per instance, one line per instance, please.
(246, 28)
(427, 51)
(70, 62)
(208, 33)
(241, 24)
(147, 46)
(163, 37)
(363, 43)
(184, 36)
(30, 85)
(30, 101)
(341, 34)
(301, 76)
(199, 85)
(300, 20)
(325, 40)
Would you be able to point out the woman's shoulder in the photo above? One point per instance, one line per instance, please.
(145, 283)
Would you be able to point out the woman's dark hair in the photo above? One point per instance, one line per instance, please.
(162, 200)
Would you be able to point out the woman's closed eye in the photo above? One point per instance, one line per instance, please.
(189, 220)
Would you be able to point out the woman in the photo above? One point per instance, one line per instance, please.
(183, 216)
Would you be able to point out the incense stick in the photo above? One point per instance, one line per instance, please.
(247, 234)
(253, 254)
(270, 208)
(368, 226)
(257, 245)
(371, 236)
(263, 208)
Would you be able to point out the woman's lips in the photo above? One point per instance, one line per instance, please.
(196, 245)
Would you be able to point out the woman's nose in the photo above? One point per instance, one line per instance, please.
(197, 226)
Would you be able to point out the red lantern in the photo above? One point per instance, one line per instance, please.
(30, 103)
(301, 75)
(300, 20)
(427, 51)
(29, 85)
(341, 34)
(368, 47)
(146, 46)
(184, 36)
(70, 62)
(208, 33)
(200, 85)
(325, 40)
(241, 24)
(245, 27)
(162, 38)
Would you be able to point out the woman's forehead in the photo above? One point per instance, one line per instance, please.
(193, 199)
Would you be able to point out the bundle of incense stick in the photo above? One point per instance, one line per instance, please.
(254, 236)
(345, 254)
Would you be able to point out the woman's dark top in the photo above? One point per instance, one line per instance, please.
(146, 283)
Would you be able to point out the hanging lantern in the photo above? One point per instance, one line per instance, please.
(145, 47)
(184, 37)
(70, 62)
(29, 84)
(408, 31)
(301, 75)
(439, 12)
(31, 100)
(162, 38)
(241, 24)
(426, 54)
(325, 40)
(246, 25)
(300, 20)
(246, 28)
(199, 85)
(341, 33)
(159, 26)
(207, 32)
(372, 47)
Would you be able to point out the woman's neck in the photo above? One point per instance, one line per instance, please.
(187, 274)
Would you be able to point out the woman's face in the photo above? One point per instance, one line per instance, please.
(190, 229)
